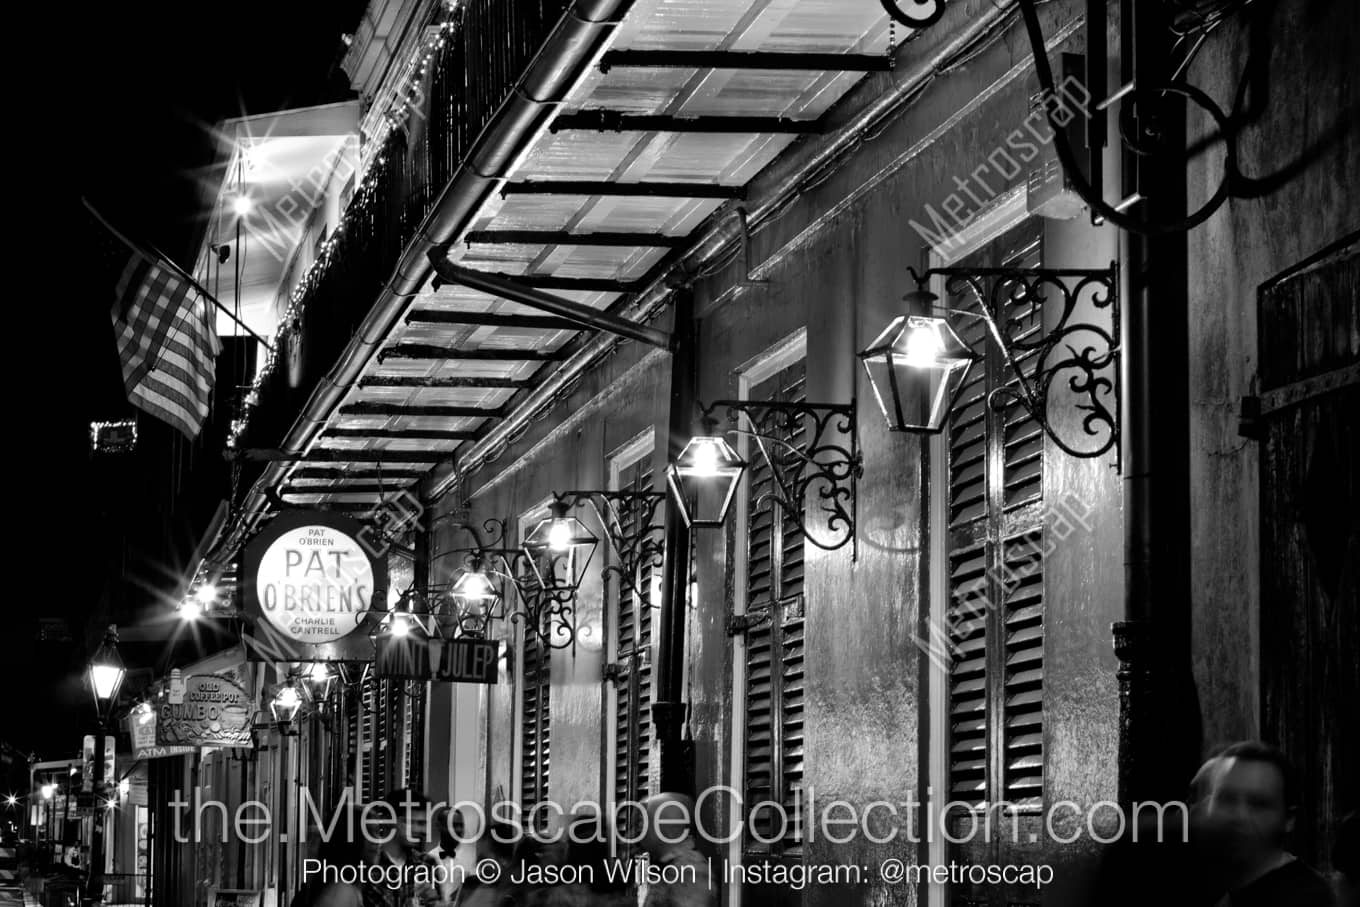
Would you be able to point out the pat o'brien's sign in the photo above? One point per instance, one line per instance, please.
(311, 585)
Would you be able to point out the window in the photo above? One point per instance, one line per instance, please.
(774, 686)
(632, 471)
(993, 580)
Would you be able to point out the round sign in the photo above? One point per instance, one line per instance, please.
(315, 583)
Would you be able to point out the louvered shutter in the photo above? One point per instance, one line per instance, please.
(775, 677)
(369, 720)
(534, 705)
(995, 559)
(995, 607)
(632, 714)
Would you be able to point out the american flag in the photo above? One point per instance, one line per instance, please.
(167, 339)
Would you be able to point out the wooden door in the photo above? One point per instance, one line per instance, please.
(1309, 423)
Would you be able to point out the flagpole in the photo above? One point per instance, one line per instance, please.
(181, 272)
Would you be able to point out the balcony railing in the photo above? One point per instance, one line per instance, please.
(479, 57)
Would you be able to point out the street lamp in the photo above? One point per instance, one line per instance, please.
(703, 479)
(106, 673)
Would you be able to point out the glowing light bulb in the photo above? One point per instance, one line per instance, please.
(923, 347)
(401, 625)
(191, 610)
(241, 205)
(207, 594)
(706, 459)
(559, 535)
(11, 800)
(48, 790)
(319, 672)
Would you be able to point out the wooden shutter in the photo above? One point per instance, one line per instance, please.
(632, 712)
(368, 740)
(775, 680)
(995, 579)
(534, 704)
(995, 562)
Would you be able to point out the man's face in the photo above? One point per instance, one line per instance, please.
(1247, 806)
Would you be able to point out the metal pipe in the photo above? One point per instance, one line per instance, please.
(668, 711)
(720, 234)
(584, 315)
(564, 58)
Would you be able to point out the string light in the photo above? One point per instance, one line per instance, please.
(397, 113)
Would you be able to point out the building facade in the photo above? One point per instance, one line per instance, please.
(566, 247)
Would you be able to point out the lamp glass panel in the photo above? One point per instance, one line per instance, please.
(703, 480)
(559, 549)
(915, 368)
(105, 678)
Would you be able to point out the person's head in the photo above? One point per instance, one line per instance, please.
(1346, 861)
(1251, 800)
(415, 829)
(669, 822)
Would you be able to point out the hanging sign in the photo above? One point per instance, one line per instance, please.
(87, 764)
(448, 660)
(144, 746)
(313, 590)
(216, 712)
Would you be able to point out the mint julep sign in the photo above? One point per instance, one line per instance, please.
(312, 585)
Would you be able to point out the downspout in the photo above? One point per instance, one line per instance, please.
(721, 232)
(574, 43)
(1157, 702)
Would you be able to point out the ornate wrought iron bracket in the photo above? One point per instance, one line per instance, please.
(637, 536)
(1069, 343)
(547, 613)
(826, 460)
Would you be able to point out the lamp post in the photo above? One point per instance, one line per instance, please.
(106, 672)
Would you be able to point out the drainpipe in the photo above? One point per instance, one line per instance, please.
(668, 711)
(1156, 750)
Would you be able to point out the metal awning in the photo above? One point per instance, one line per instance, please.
(690, 101)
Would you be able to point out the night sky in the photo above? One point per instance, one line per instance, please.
(120, 113)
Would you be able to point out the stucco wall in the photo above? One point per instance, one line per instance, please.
(1300, 143)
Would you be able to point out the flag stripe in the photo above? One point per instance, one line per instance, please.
(167, 339)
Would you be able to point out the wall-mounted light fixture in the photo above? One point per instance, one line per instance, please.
(544, 574)
(559, 549)
(918, 365)
(630, 521)
(812, 452)
(704, 477)
(285, 704)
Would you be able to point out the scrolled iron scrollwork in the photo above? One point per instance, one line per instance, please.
(638, 539)
(825, 462)
(1041, 342)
